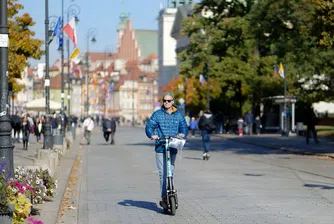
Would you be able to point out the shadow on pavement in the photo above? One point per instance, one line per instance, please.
(253, 175)
(194, 158)
(325, 187)
(142, 204)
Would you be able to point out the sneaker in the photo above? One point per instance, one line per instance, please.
(163, 203)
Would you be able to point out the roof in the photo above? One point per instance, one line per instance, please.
(99, 56)
(147, 41)
(182, 13)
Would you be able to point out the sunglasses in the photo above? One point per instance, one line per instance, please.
(167, 101)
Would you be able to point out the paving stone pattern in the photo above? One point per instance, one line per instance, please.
(240, 184)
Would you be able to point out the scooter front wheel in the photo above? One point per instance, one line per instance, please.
(172, 203)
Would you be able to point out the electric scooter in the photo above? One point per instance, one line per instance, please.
(172, 203)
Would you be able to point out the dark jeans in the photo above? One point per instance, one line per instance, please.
(193, 132)
(206, 140)
(308, 133)
(106, 136)
(17, 134)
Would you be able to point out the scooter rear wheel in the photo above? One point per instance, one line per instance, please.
(172, 202)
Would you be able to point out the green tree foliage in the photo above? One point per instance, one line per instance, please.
(22, 44)
(290, 30)
(244, 42)
(226, 43)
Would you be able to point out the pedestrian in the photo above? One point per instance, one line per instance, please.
(207, 125)
(109, 129)
(249, 120)
(16, 125)
(54, 124)
(240, 126)
(187, 120)
(258, 125)
(38, 129)
(26, 129)
(219, 120)
(311, 121)
(193, 126)
(167, 121)
(88, 126)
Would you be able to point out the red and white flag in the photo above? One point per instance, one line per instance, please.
(71, 32)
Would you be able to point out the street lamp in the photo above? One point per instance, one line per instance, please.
(48, 142)
(208, 14)
(90, 37)
(62, 95)
(6, 152)
(73, 10)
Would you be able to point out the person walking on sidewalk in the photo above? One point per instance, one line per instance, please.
(240, 123)
(258, 125)
(88, 127)
(207, 125)
(311, 121)
(167, 121)
(26, 129)
(193, 126)
(38, 129)
(249, 120)
(109, 129)
(16, 124)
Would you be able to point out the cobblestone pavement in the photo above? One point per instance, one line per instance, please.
(240, 184)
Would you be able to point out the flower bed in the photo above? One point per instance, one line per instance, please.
(28, 187)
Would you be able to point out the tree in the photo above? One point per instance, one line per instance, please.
(22, 44)
(230, 49)
(192, 91)
(290, 30)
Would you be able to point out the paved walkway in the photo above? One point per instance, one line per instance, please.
(49, 210)
(294, 144)
(119, 184)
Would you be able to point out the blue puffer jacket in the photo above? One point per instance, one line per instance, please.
(162, 123)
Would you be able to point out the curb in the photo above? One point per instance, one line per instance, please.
(289, 150)
(69, 193)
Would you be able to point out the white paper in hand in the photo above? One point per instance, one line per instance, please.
(177, 143)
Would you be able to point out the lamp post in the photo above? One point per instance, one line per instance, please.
(90, 34)
(107, 49)
(73, 10)
(6, 150)
(62, 95)
(208, 14)
(48, 142)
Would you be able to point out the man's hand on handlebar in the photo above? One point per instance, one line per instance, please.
(154, 137)
(180, 135)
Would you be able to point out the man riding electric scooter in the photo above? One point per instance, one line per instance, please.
(167, 121)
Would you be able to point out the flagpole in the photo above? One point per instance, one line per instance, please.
(74, 10)
(62, 74)
(285, 130)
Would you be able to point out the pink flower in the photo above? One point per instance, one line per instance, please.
(31, 220)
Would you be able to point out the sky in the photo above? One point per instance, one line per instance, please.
(103, 15)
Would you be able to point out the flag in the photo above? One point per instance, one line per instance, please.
(57, 30)
(201, 79)
(281, 71)
(75, 54)
(77, 69)
(60, 40)
(70, 31)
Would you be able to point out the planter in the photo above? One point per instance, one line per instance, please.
(6, 218)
